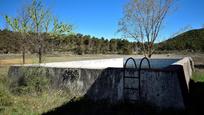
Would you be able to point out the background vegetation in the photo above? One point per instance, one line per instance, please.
(190, 41)
(75, 44)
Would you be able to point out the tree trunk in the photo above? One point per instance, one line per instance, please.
(23, 55)
(40, 42)
(149, 55)
(40, 54)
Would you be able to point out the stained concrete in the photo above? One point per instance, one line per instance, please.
(164, 85)
(88, 64)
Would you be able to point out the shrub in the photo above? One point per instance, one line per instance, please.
(5, 98)
(33, 81)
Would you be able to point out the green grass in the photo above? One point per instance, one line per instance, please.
(24, 104)
(198, 76)
(34, 105)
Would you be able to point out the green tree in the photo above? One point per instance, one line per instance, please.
(113, 46)
(41, 18)
(20, 25)
(38, 14)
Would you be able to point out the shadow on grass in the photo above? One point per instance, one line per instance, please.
(87, 107)
(196, 97)
(83, 106)
(199, 66)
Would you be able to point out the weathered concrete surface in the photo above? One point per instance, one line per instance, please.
(88, 64)
(105, 63)
(164, 85)
(159, 88)
(162, 89)
(188, 67)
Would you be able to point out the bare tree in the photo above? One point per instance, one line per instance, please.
(142, 21)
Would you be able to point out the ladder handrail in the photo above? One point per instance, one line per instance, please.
(130, 58)
(139, 71)
(124, 71)
(144, 58)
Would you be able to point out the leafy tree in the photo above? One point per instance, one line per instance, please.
(38, 14)
(20, 25)
(104, 46)
(41, 18)
(113, 45)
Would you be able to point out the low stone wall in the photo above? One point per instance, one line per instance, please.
(164, 87)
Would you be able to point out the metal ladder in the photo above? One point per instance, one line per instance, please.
(133, 90)
(129, 91)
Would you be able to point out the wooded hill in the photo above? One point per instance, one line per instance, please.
(191, 41)
(76, 44)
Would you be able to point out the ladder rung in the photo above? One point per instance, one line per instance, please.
(131, 88)
(131, 77)
(130, 69)
(131, 99)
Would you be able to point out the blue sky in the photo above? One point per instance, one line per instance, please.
(100, 17)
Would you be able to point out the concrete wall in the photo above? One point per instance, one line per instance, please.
(160, 88)
(164, 87)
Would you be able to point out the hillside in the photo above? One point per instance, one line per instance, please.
(192, 40)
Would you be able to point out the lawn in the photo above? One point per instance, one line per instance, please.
(24, 104)
(198, 76)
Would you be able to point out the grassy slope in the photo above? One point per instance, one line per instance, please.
(25, 104)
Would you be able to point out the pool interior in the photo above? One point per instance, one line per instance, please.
(154, 63)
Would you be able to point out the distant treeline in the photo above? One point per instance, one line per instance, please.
(190, 41)
(76, 44)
